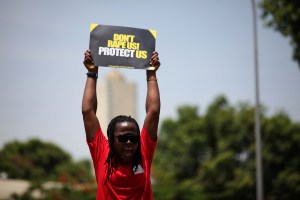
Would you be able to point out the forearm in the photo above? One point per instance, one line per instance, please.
(89, 101)
(152, 99)
(153, 96)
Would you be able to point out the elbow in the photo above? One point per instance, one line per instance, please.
(88, 107)
(86, 110)
(154, 111)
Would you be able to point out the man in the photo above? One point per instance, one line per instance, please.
(122, 162)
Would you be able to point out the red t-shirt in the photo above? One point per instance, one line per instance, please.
(123, 184)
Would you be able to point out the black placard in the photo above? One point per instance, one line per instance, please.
(123, 47)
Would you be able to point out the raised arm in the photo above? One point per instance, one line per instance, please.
(152, 99)
(89, 100)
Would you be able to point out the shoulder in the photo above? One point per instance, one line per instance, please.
(99, 139)
(145, 137)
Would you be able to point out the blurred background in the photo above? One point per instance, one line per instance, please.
(207, 90)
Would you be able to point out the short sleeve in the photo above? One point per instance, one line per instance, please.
(147, 145)
(98, 148)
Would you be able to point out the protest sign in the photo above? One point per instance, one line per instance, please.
(122, 47)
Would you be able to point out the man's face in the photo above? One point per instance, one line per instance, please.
(126, 140)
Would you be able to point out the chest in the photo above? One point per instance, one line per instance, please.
(124, 177)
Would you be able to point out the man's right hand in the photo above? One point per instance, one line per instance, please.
(89, 62)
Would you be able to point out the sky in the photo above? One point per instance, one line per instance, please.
(205, 48)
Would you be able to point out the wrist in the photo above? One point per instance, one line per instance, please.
(151, 73)
(151, 76)
(93, 69)
(92, 74)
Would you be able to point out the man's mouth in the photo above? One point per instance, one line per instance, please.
(128, 149)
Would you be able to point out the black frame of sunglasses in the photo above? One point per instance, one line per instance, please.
(122, 139)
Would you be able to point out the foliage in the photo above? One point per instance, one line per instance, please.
(45, 163)
(213, 156)
(35, 160)
(284, 16)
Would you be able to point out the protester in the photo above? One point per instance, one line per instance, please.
(122, 162)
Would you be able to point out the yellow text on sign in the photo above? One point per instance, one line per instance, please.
(123, 37)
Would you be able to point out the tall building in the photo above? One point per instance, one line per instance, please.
(115, 97)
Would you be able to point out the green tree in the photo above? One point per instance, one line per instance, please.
(32, 160)
(41, 162)
(213, 156)
(281, 158)
(284, 16)
(36, 160)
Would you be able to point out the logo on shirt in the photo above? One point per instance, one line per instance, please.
(139, 170)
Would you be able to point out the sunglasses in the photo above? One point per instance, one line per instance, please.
(124, 138)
